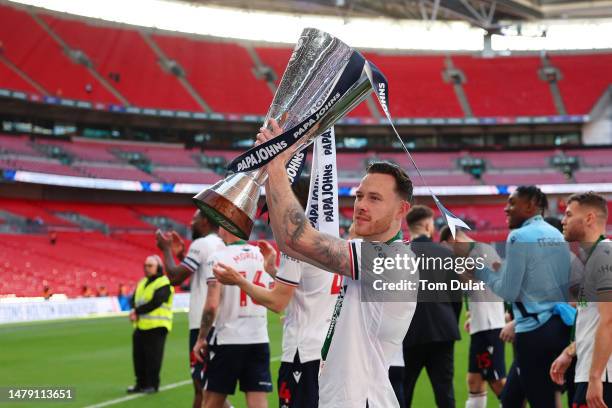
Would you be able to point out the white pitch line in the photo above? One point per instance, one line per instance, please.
(162, 388)
(134, 396)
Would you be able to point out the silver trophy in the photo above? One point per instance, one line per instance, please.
(313, 71)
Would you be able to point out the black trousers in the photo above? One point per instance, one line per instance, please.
(438, 359)
(147, 355)
(529, 377)
(396, 377)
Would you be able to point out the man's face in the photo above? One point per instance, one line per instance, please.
(150, 267)
(198, 226)
(574, 222)
(518, 209)
(376, 206)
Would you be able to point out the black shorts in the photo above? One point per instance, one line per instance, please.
(229, 363)
(580, 395)
(487, 355)
(298, 384)
(197, 368)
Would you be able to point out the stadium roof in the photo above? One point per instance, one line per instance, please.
(486, 14)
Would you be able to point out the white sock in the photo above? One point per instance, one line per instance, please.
(476, 400)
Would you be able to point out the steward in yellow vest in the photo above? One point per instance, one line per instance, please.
(152, 319)
(149, 292)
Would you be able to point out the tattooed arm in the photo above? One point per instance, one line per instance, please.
(208, 319)
(292, 231)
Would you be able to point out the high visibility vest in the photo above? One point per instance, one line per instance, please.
(160, 317)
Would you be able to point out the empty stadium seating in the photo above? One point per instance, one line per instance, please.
(29, 47)
(416, 88)
(508, 160)
(10, 80)
(17, 144)
(505, 86)
(30, 262)
(38, 165)
(221, 72)
(173, 163)
(123, 51)
(585, 78)
(524, 177)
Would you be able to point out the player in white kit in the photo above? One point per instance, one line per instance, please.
(487, 318)
(307, 295)
(238, 350)
(363, 336)
(205, 242)
(585, 222)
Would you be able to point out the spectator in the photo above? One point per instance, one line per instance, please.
(47, 292)
(102, 291)
(124, 297)
(86, 291)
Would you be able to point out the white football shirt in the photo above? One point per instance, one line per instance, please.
(597, 278)
(366, 337)
(239, 319)
(195, 260)
(309, 311)
(486, 308)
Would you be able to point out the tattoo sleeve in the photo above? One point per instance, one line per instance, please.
(293, 232)
(295, 223)
(208, 318)
(208, 315)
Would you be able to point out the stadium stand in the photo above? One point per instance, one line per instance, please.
(580, 94)
(221, 73)
(77, 258)
(113, 171)
(10, 80)
(38, 165)
(523, 159)
(124, 52)
(497, 86)
(172, 163)
(505, 86)
(85, 151)
(32, 50)
(17, 144)
(425, 93)
(524, 177)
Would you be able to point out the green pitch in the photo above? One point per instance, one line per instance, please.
(93, 356)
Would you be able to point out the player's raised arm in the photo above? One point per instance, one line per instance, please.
(292, 231)
(176, 273)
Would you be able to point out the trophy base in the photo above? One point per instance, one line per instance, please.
(224, 213)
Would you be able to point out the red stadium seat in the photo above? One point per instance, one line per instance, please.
(505, 86)
(123, 51)
(584, 79)
(28, 46)
(220, 72)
